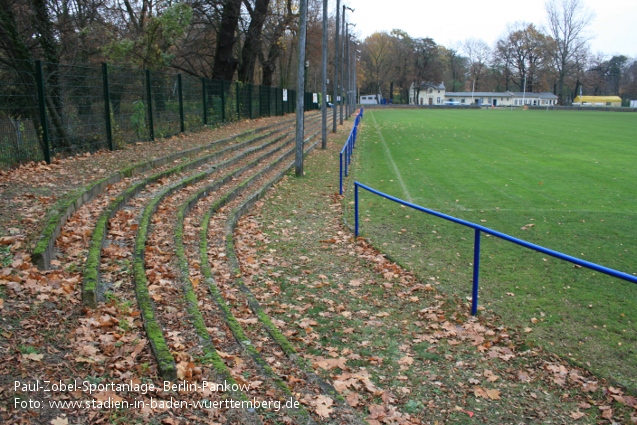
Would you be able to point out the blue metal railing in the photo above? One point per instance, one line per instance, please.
(348, 149)
(476, 246)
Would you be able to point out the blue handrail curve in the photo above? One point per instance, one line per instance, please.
(478, 229)
(347, 151)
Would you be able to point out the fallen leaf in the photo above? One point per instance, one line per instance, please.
(577, 415)
(607, 414)
(322, 405)
(493, 394)
(406, 361)
(250, 321)
(33, 356)
(60, 421)
(352, 399)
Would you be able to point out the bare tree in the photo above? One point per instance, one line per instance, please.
(525, 49)
(567, 22)
(478, 53)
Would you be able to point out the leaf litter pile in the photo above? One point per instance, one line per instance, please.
(308, 315)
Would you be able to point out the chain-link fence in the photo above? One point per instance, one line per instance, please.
(49, 110)
(19, 119)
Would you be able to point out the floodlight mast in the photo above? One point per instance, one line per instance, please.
(336, 57)
(300, 89)
(324, 80)
(347, 82)
(341, 92)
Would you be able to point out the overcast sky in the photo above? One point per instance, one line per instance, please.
(613, 31)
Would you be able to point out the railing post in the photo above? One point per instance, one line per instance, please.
(44, 125)
(356, 209)
(107, 106)
(204, 100)
(149, 98)
(346, 162)
(223, 103)
(476, 272)
(182, 127)
(340, 174)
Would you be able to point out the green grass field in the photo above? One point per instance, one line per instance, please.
(571, 175)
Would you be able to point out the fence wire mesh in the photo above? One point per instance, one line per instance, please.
(128, 105)
(75, 108)
(19, 118)
(49, 110)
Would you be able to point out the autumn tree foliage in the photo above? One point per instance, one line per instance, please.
(553, 56)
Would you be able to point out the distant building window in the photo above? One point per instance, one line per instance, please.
(607, 103)
(438, 91)
(438, 98)
(461, 100)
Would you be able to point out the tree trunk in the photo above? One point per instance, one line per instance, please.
(252, 45)
(225, 63)
(268, 65)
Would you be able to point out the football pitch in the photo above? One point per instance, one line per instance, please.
(566, 180)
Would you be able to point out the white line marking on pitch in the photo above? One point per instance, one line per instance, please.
(391, 160)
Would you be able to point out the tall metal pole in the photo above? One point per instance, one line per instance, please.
(356, 88)
(336, 57)
(350, 84)
(346, 37)
(347, 71)
(324, 84)
(340, 92)
(300, 85)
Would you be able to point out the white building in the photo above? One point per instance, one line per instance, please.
(370, 99)
(435, 94)
(429, 94)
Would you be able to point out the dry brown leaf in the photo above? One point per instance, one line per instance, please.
(250, 321)
(33, 356)
(480, 392)
(577, 415)
(60, 421)
(406, 361)
(607, 412)
(352, 399)
(322, 406)
(493, 394)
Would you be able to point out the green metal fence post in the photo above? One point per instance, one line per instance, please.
(204, 98)
(269, 89)
(42, 107)
(238, 104)
(223, 103)
(250, 101)
(182, 127)
(149, 98)
(107, 106)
